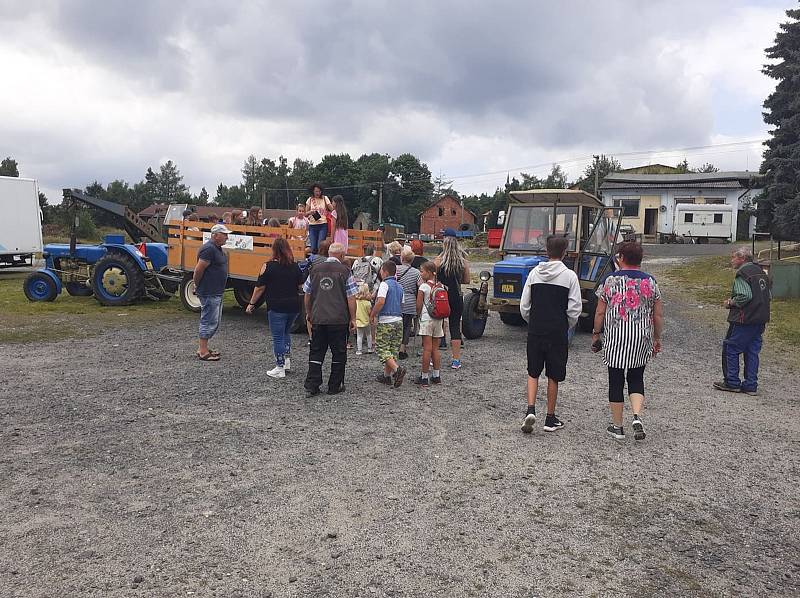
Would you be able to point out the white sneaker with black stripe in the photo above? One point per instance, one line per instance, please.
(638, 429)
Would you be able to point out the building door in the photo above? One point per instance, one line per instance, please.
(651, 221)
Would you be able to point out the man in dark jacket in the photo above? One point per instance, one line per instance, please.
(747, 318)
(330, 304)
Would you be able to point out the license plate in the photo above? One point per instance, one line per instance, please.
(148, 264)
(507, 288)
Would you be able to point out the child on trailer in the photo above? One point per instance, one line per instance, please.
(363, 329)
(430, 329)
(389, 329)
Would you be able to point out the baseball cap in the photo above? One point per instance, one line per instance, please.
(220, 228)
(449, 232)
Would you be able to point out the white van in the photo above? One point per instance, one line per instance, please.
(20, 221)
(704, 221)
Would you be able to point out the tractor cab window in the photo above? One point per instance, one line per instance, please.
(604, 234)
(528, 227)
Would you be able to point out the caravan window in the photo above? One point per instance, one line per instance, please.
(688, 217)
(717, 218)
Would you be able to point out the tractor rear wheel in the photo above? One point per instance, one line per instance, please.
(243, 292)
(512, 319)
(472, 322)
(40, 287)
(117, 280)
(78, 289)
(189, 298)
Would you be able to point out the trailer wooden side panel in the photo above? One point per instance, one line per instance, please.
(250, 246)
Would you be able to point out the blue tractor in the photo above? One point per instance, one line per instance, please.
(115, 272)
(592, 230)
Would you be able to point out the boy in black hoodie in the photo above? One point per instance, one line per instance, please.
(551, 304)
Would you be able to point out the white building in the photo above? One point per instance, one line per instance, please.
(649, 200)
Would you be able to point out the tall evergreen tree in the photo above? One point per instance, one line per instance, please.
(170, 187)
(779, 208)
(9, 167)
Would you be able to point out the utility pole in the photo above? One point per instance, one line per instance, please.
(596, 173)
(263, 200)
(380, 205)
(288, 204)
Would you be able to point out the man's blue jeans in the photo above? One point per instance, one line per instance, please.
(742, 339)
(210, 314)
(280, 326)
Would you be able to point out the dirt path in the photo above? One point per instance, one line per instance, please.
(130, 469)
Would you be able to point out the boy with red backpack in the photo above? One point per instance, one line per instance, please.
(433, 306)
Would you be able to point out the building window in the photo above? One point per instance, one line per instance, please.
(688, 217)
(715, 201)
(453, 212)
(717, 218)
(630, 207)
(684, 200)
(441, 211)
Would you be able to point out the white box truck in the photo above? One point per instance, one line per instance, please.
(20, 221)
(701, 222)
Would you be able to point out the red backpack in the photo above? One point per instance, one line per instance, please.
(438, 305)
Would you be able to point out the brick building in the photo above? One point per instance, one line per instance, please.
(447, 212)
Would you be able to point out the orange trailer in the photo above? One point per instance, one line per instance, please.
(248, 248)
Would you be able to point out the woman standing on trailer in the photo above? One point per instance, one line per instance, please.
(317, 208)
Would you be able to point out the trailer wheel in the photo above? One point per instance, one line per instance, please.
(78, 289)
(39, 287)
(243, 292)
(586, 324)
(117, 280)
(512, 319)
(473, 323)
(189, 298)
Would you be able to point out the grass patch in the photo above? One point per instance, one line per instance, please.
(23, 321)
(710, 281)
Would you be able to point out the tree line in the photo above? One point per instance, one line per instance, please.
(405, 183)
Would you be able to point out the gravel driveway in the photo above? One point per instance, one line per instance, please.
(129, 468)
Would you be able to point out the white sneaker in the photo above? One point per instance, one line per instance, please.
(287, 366)
(359, 353)
(277, 372)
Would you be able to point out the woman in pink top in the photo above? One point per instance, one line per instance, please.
(317, 207)
(340, 221)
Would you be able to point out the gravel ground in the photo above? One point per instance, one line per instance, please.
(131, 469)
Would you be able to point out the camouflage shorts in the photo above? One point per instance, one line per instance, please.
(387, 340)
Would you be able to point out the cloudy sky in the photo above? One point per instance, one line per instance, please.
(103, 89)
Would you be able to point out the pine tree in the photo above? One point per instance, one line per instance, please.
(9, 167)
(170, 185)
(779, 208)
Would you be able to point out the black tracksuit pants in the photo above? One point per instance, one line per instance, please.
(324, 337)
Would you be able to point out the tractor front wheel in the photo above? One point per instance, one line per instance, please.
(117, 280)
(40, 287)
(473, 323)
(187, 292)
(512, 319)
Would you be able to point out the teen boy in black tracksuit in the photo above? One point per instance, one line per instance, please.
(551, 304)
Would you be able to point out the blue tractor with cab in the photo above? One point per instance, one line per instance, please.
(114, 272)
(592, 230)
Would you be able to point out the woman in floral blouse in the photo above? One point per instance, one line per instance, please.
(629, 312)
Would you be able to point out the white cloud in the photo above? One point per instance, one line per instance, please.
(104, 90)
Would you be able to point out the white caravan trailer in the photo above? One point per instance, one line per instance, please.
(705, 221)
(20, 221)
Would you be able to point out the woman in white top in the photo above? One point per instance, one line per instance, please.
(317, 207)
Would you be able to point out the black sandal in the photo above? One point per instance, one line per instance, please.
(208, 357)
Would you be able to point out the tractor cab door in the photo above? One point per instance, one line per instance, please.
(597, 251)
